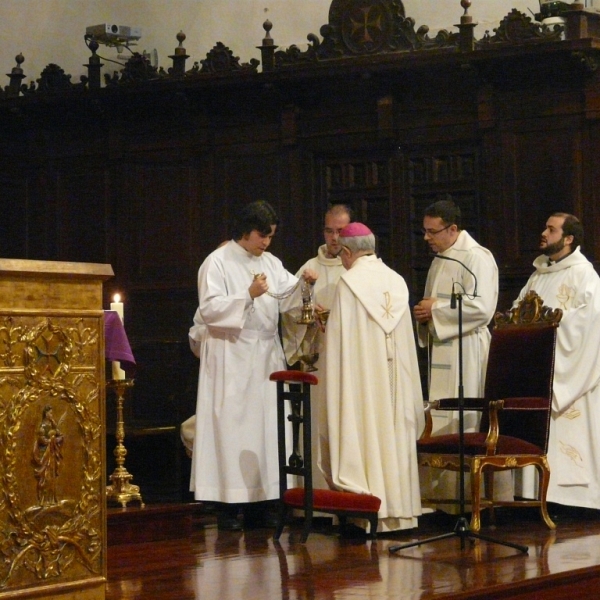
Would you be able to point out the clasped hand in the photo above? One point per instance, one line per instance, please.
(422, 311)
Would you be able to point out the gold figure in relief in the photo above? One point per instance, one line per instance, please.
(47, 457)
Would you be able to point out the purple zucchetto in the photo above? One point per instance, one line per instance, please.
(355, 230)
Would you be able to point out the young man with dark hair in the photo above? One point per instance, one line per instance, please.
(242, 288)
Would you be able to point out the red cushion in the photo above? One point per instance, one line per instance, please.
(294, 377)
(475, 445)
(333, 500)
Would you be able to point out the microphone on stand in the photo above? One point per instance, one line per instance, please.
(453, 297)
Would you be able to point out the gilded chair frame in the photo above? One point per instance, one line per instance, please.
(486, 450)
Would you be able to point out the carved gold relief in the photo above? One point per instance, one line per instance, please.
(9, 335)
(48, 352)
(438, 461)
(84, 339)
(49, 421)
(531, 309)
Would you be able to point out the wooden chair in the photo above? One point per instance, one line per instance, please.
(295, 386)
(516, 410)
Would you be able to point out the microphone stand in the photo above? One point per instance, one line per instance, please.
(461, 528)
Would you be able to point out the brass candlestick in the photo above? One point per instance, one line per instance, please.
(121, 490)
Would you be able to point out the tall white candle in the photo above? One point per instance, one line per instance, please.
(117, 306)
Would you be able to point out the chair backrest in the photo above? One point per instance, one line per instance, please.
(521, 365)
(298, 412)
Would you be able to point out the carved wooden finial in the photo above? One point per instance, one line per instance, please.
(16, 77)
(268, 47)
(180, 49)
(466, 41)
(466, 18)
(17, 71)
(94, 65)
(93, 45)
(179, 57)
(267, 26)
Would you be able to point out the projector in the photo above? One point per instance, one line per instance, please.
(113, 34)
(552, 8)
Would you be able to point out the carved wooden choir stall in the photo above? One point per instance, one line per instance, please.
(143, 168)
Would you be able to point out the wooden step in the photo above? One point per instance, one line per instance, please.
(153, 523)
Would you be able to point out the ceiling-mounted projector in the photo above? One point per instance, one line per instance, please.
(113, 34)
(552, 8)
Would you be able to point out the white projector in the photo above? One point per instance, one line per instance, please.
(113, 33)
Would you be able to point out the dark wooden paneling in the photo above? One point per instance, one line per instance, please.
(156, 234)
(545, 175)
(14, 237)
(42, 225)
(82, 216)
(146, 176)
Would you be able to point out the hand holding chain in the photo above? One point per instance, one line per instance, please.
(282, 295)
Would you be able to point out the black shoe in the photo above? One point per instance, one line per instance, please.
(227, 518)
(259, 517)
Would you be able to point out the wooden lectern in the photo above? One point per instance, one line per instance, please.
(52, 442)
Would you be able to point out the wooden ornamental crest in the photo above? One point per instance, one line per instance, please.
(366, 27)
(531, 310)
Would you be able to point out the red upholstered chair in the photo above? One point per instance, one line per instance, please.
(516, 410)
(298, 411)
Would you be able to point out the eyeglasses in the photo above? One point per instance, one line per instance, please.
(431, 233)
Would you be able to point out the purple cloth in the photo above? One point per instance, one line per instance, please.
(116, 344)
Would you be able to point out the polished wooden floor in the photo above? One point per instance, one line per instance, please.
(208, 564)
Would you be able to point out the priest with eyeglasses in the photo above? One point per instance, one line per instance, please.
(460, 265)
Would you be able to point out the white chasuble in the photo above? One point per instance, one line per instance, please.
(572, 285)
(441, 336)
(374, 404)
(235, 447)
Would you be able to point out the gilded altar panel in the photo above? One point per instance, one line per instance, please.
(52, 496)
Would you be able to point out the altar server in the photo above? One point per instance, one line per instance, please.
(241, 289)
